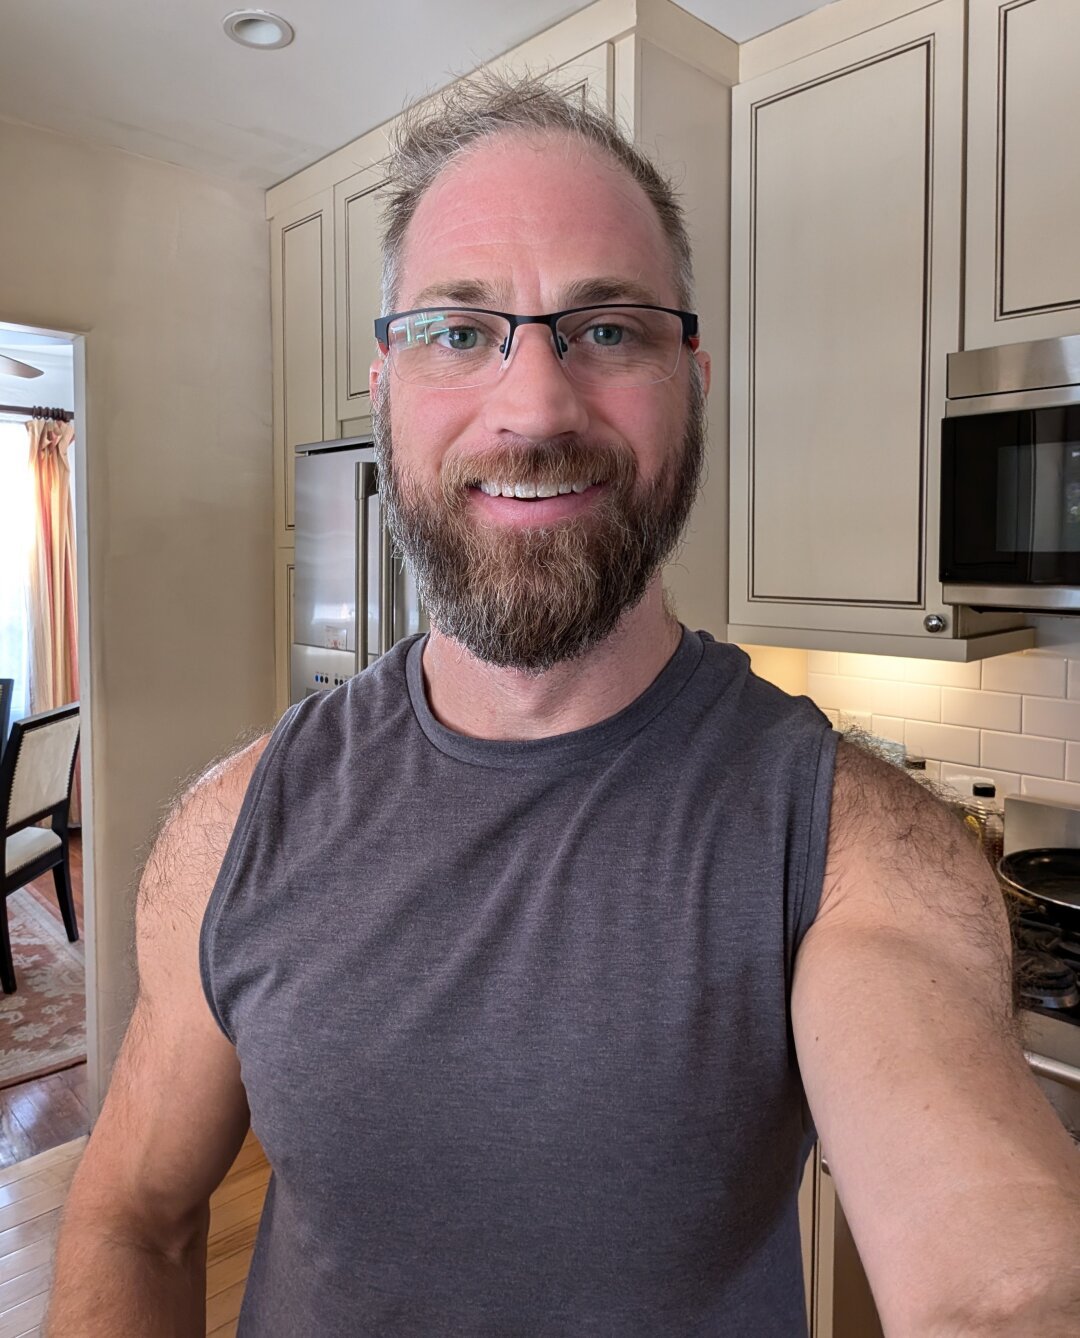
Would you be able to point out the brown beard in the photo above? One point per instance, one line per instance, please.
(528, 599)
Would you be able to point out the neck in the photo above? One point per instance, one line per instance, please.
(475, 698)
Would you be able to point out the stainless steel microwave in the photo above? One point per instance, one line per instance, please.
(1010, 477)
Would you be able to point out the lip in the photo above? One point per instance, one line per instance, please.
(530, 514)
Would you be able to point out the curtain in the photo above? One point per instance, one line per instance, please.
(16, 539)
(53, 608)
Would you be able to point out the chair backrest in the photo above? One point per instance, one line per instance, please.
(7, 691)
(37, 765)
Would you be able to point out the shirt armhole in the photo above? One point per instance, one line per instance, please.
(226, 874)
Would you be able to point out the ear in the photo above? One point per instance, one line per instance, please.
(704, 361)
(375, 372)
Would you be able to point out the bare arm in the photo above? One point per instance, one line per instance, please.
(131, 1258)
(960, 1184)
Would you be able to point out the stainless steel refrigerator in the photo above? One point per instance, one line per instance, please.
(352, 598)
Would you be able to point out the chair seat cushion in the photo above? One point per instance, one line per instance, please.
(28, 845)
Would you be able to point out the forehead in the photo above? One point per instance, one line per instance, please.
(529, 216)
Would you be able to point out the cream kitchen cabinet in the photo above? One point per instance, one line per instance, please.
(302, 326)
(845, 300)
(1023, 172)
(358, 203)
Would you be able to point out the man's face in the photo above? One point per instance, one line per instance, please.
(535, 225)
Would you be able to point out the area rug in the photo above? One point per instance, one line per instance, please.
(43, 1024)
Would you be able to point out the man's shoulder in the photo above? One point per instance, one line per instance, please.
(187, 854)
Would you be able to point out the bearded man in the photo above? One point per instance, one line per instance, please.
(541, 951)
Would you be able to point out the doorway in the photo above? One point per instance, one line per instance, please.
(45, 1092)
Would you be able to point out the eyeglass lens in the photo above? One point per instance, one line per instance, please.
(630, 346)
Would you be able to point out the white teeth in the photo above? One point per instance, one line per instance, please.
(530, 490)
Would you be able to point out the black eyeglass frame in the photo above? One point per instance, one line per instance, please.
(689, 320)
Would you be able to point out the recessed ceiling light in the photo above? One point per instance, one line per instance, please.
(258, 28)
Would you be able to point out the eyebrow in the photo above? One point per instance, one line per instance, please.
(581, 293)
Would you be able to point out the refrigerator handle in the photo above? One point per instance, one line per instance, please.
(387, 612)
(365, 490)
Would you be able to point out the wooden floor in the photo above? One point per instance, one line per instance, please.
(33, 1193)
(43, 1114)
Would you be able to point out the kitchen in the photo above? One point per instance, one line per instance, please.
(209, 558)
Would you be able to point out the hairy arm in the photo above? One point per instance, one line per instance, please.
(131, 1258)
(961, 1186)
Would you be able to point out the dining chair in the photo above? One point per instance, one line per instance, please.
(36, 772)
(7, 691)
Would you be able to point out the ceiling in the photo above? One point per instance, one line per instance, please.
(162, 80)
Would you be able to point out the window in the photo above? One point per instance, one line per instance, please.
(16, 537)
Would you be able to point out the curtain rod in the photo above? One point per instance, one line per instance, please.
(38, 411)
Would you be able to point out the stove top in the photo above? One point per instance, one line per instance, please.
(1047, 965)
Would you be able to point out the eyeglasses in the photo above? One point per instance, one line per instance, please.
(618, 344)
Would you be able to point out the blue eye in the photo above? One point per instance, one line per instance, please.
(606, 336)
(462, 337)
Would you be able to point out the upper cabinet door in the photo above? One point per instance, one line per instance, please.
(358, 204)
(302, 321)
(846, 206)
(1023, 261)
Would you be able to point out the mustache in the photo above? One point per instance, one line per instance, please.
(539, 461)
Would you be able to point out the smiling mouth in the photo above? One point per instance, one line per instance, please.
(529, 492)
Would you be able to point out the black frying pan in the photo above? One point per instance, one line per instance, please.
(1049, 876)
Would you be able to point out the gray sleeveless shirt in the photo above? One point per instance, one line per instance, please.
(513, 1017)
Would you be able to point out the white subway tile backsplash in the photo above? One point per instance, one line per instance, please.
(941, 673)
(1030, 673)
(854, 720)
(1051, 717)
(824, 689)
(869, 666)
(933, 769)
(921, 701)
(821, 661)
(946, 743)
(1007, 782)
(888, 727)
(984, 710)
(1008, 717)
(1025, 753)
(855, 694)
(1038, 787)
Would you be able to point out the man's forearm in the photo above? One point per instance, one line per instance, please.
(109, 1283)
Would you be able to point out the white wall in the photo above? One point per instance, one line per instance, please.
(167, 272)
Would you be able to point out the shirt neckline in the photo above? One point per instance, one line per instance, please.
(555, 749)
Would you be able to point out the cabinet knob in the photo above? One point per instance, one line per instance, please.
(934, 622)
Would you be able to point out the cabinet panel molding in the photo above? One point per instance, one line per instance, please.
(358, 205)
(846, 207)
(302, 319)
(1023, 270)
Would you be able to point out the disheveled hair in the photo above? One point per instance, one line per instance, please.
(433, 133)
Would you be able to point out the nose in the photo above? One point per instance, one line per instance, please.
(532, 396)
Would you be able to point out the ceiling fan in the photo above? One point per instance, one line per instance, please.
(12, 367)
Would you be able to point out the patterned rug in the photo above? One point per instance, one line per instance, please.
(43, 1024)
